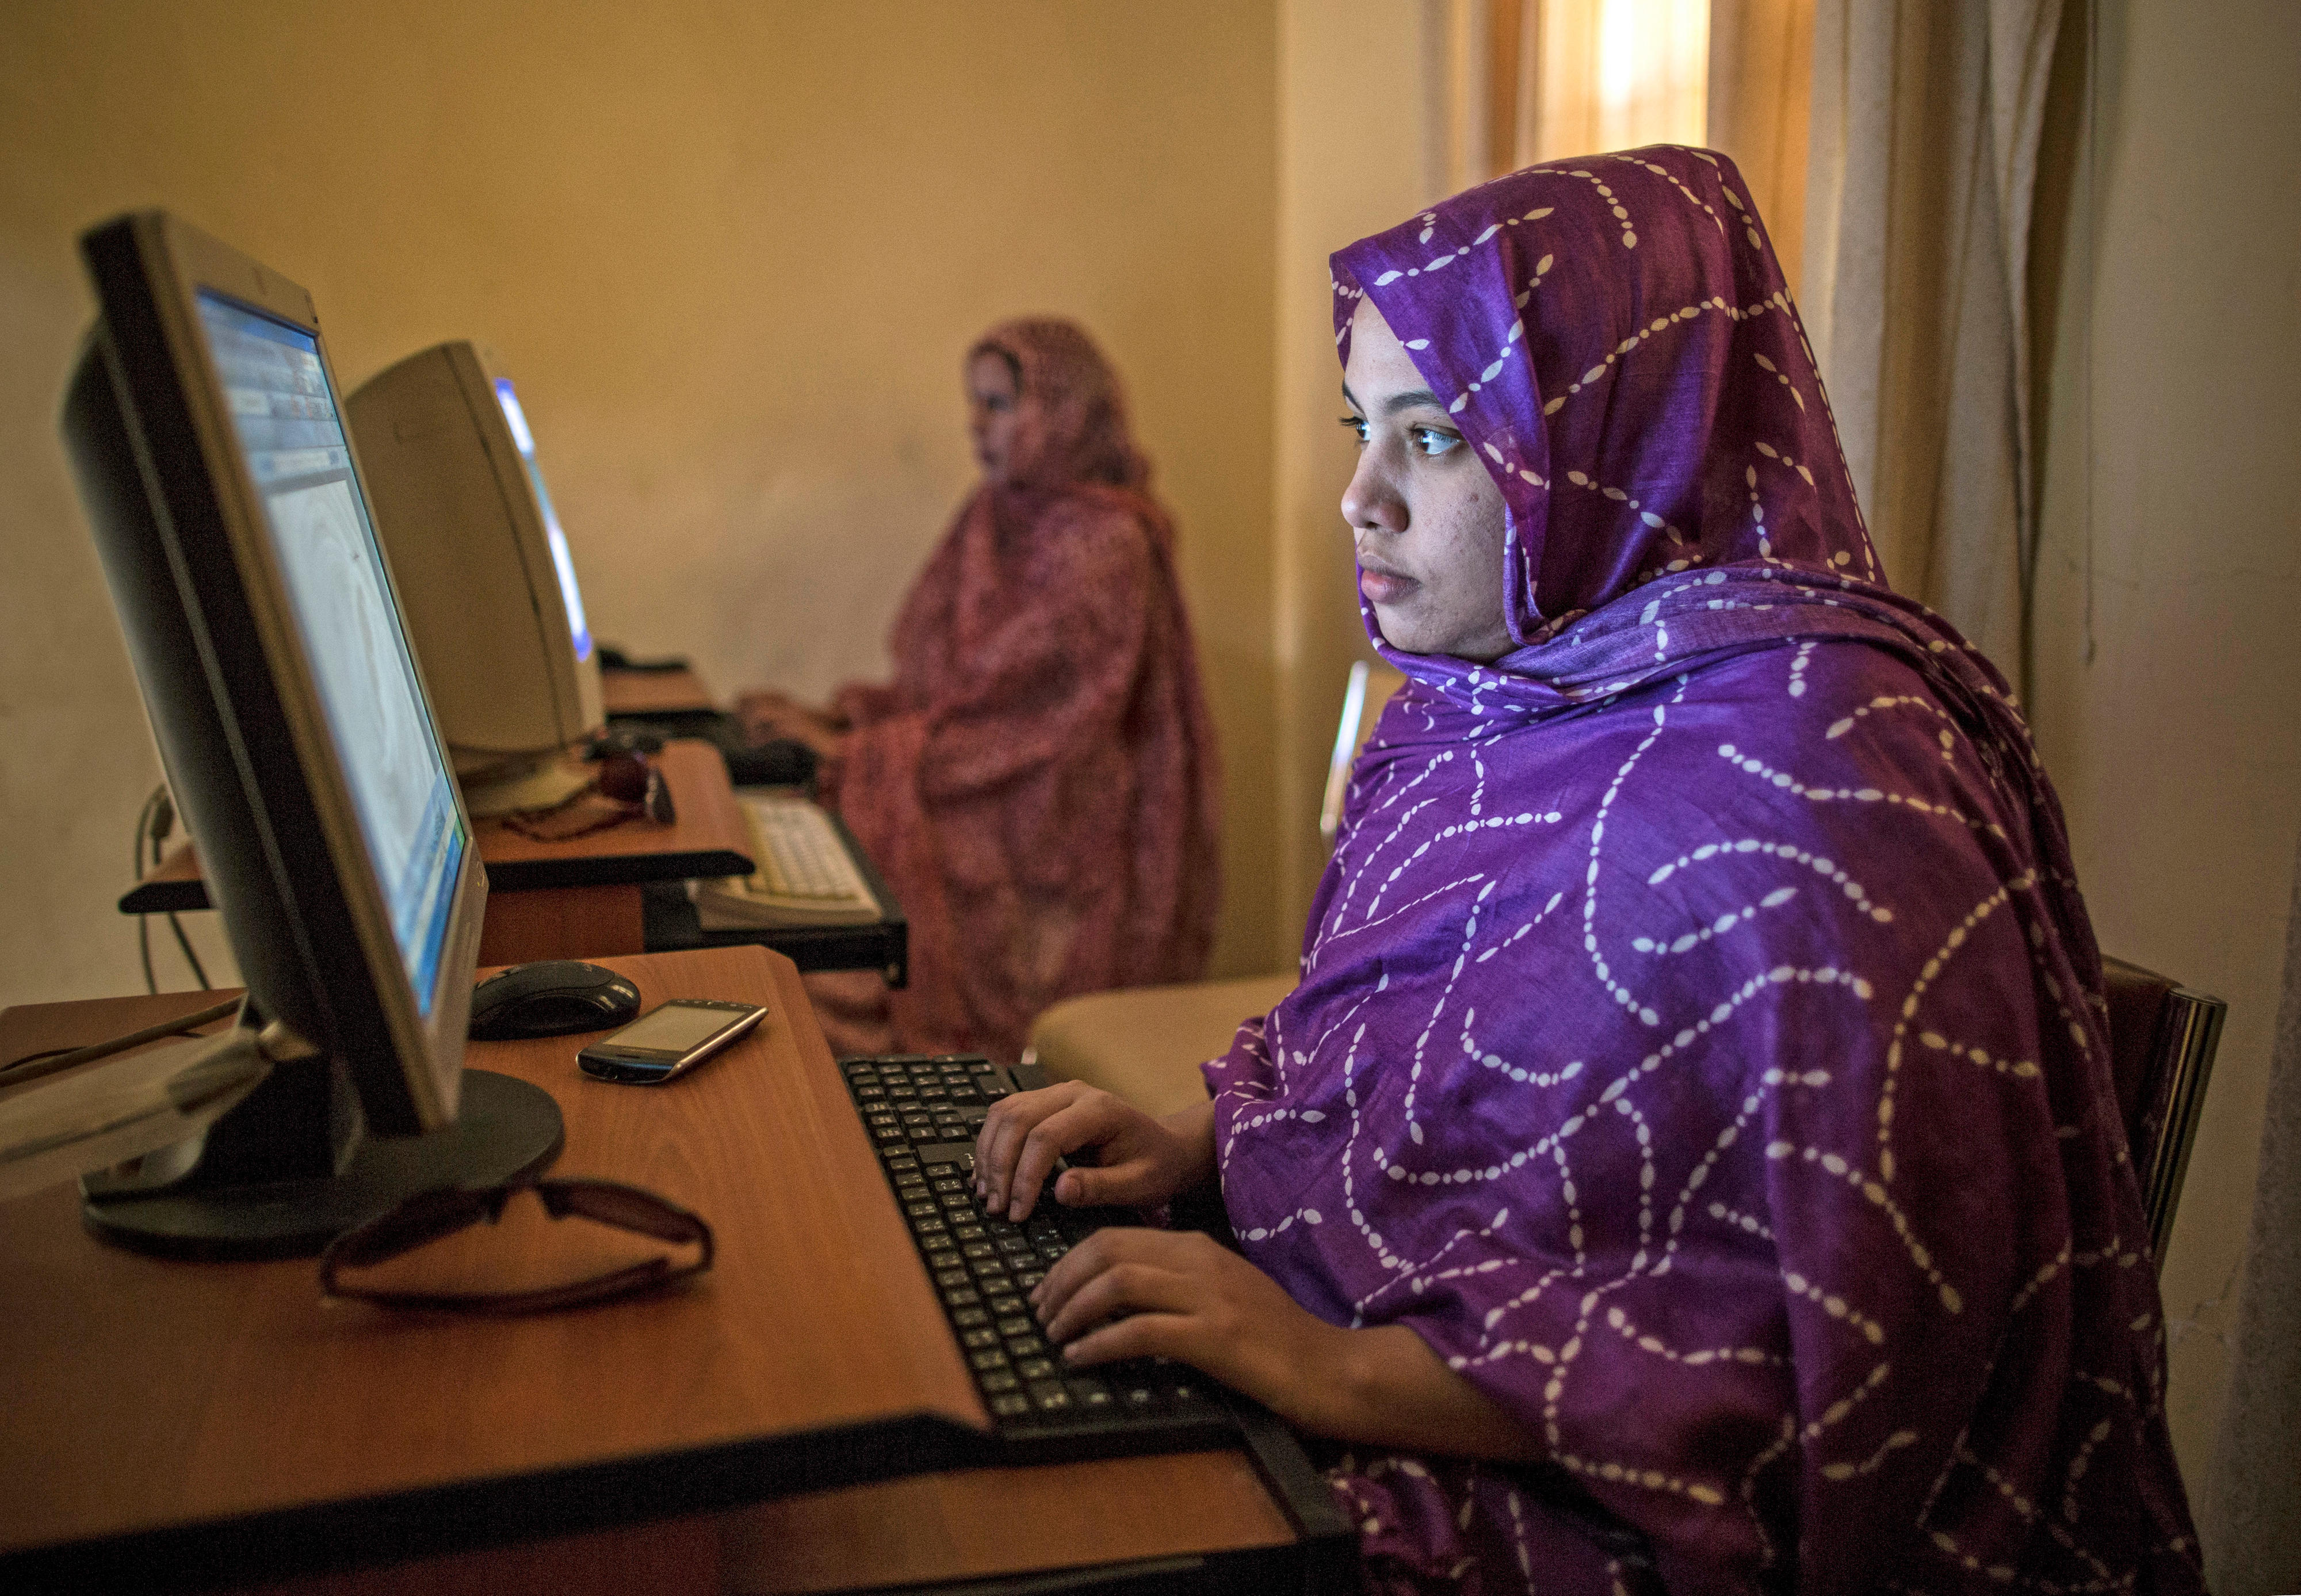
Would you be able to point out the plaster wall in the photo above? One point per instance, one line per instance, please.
(2169, 282)
(733, 253)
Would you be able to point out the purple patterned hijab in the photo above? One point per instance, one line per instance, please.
(1699, 1041)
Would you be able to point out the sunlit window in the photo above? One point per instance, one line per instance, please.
(1611, 74)
(1509, 82)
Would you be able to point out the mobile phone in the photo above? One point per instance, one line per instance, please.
(668, 1041)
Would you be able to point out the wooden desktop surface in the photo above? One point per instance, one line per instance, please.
(708, 838)
(174, 1393)
(655, 692)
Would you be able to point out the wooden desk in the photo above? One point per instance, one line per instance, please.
(177, 1423)
(642, 693)
(575, 899)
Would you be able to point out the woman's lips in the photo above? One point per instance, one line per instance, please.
(1384, 587)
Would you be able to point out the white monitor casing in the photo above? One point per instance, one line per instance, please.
(467, 532)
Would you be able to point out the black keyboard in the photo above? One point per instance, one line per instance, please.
(922, 1113)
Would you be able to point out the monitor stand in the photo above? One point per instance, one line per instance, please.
(292, 1166)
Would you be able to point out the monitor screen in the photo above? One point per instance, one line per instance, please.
(560, 562)
(285, 419)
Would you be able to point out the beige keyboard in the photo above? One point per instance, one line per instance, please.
(804, 873)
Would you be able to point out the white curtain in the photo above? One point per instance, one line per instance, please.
(1509, 82)
(1921, 171)
(2250, 1512)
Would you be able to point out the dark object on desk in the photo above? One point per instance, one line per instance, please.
(778, 762)
(632, 788)
(922, 1114)
(429, 1215)
(557, 997)
(626, 737)
(612, 658)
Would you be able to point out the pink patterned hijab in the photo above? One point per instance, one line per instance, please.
(1070, 412)
(1039, 782)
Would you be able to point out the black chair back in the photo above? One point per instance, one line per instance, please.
(2162, 1038)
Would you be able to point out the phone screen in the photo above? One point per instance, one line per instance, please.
(674, 1028)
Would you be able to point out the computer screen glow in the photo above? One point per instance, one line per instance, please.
(291, 435)
(569, 593)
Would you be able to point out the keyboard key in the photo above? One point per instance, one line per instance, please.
(922, 1210)
(976, 1339)
(989, 1358)
(968, 1318)
(1012, 1405)
(970, 1232)
(1003, 1305)
(1025, 1346)
(1047, 1396)
(1031, 1368)
(1029, 1278)
(965, 1296)
(940, 1261)
(996, 1380)
(953, 1278)
(1018, 1324)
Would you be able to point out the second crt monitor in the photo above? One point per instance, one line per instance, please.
(482, 568)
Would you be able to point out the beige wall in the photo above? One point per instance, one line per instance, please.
(2168, 660)
(1351, 122)
(731, 252)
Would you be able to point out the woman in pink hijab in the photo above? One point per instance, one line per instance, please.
(1038, 781)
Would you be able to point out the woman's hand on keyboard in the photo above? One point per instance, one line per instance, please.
(1141, 1161)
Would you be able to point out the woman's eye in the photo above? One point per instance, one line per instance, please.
(1432, 441)
(1357, 425)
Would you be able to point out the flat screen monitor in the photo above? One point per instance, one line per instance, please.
(228, 510)
(482, 566)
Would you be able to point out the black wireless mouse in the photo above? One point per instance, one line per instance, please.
(550, 997)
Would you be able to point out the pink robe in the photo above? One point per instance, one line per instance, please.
(1038, 783)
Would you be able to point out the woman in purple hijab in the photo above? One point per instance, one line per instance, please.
(1689, 1159)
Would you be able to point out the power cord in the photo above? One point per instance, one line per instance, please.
(155, 824)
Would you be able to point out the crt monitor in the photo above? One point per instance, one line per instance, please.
(482, 568)
(229, 512)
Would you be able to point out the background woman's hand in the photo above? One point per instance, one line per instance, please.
(1143, 1161)
(768, 713)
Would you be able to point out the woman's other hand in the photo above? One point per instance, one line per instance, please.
(769, 714)
(1141, 1161)
(1129, 1292)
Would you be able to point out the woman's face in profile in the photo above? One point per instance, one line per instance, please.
(991, 397)
(1427, 519)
